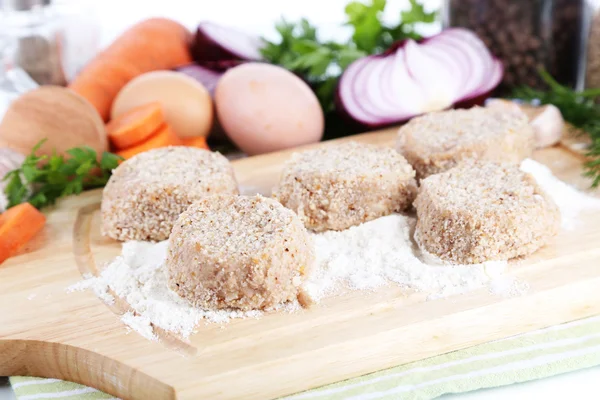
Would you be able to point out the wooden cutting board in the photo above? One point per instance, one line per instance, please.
(45, 331)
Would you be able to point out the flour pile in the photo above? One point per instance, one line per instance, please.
(138, 278)
(365, 257)
(381, 252)
(569, 200)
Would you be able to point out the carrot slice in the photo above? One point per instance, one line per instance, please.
(162, 138)
(18, 225)
(135, 126)
(198, 141)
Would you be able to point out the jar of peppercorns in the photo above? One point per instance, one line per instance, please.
(592, 48)
(526, 35)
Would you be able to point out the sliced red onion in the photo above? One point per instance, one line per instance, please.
(216, 43)
(414, 78)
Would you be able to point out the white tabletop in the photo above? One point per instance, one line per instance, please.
(259, 16)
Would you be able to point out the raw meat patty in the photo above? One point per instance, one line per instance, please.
(484, 211)
(341, 185)
(438, 141)
(146, 193)
(238, 252)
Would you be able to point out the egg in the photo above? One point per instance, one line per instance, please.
(187, 105)
(265, 108)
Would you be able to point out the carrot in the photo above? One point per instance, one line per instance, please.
(198, 141)
(162, 138)
(135, 126)
(151, 45)
(18, 225)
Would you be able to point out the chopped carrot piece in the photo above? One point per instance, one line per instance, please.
(162, 138)
(198, 141)
(135, 126)
(18, 225)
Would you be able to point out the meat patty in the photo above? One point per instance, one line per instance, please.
(438, 141)
(145, 195)
(341, 185)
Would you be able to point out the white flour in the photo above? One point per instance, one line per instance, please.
(138, 278)
(571, 201)
(365, 257)
(381, 252)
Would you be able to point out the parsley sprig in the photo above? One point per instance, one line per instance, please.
(580, 109)
(41, 180)
(321, 63)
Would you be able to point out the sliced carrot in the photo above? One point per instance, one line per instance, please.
(162, 138)
(135, 126)
(198, 141)
(18, 225)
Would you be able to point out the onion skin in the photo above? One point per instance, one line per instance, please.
(207, 49)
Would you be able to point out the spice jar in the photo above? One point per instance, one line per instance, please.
(592, 56)
(526, 35)
(48, 39)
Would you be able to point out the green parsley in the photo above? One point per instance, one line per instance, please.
(580, 109)
(56, 176)
(320, 63)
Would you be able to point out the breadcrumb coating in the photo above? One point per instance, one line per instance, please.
(145, 194)
(342, 185)
(484, 211)
(238, 252)
(439, 141)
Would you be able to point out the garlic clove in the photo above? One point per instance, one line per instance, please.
(547, 121)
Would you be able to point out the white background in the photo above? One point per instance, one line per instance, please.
(258, 16)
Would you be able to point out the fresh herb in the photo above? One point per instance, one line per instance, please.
(56, 176)
(372, 36)
(321, 63)
(580, 109)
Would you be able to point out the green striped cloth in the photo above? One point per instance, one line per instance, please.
(535, 355)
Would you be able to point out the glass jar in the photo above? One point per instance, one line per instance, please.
(592, 56)
(49, 40)
(526, 35)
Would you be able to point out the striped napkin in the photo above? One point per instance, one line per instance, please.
(539, 354)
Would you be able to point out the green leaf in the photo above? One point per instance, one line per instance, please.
(110, 161)
(348, 55)
(78, 154)
(54, 162)
(304, 46)
(38, 146)
(417, 14)
(321, 63)
(365, 19)
(84, 168)
(31, 172)
(15, 190)
(39, 200)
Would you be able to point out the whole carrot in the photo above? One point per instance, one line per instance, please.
(151, 45)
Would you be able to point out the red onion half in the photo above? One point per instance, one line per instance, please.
(414, 78)
(219, 44)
